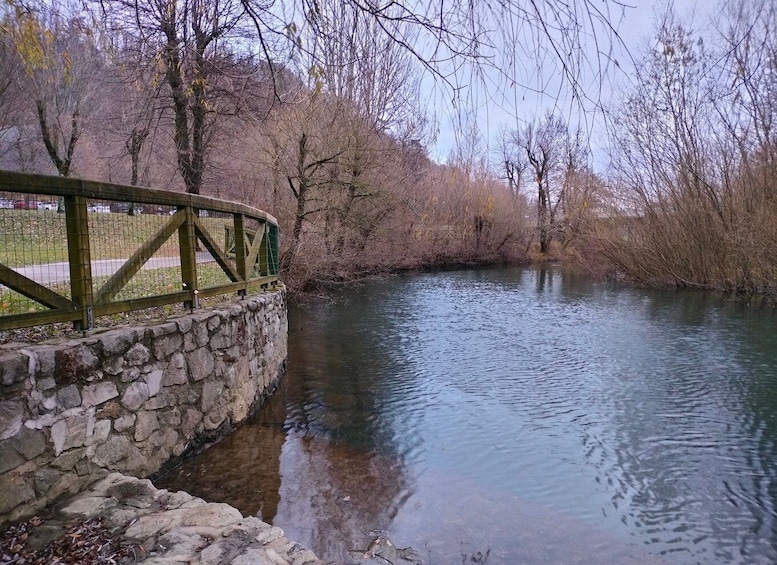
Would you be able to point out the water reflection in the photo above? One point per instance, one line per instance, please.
(531, 414)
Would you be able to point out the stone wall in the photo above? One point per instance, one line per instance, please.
(130, 399)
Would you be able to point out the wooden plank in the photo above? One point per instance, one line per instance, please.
(240, 250)
(141, 303)
(79, 257)
(128, 270)
(187, 243)
(35, 291)
(255, 247)
(215, 251)
(12, 181)
(14, 321)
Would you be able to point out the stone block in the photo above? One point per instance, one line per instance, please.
(222, 339)
(45, 478)
(47, 383)
(97, 393)
(211, 391)
(110, 410)
(124, 422)
(116, 342)
(9, 457)
(13, 492)
(175, 373)
(184, 324)
(161, 400)
(166, 345)
(135, 395)
(154, 381)
(137, 355)
(69, 432)
(69, 397)
(190, 422)
(112, 451)
(129, 374)
(14, 367)
(170, 418)
(114, 365)
(201, 363)
(146, 424)
(11, 415)
(161, 330)
(72, 363)
(29, 443)
(100, 432)
(68, 460)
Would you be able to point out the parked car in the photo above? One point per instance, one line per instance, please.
(25, 204)
(102, 208)
(6, 204)
(47, 205)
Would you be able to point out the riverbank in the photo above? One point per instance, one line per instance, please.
(122, 519)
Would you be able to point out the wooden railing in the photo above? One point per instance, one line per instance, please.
(80, 296)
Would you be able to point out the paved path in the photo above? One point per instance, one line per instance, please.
(51, 273)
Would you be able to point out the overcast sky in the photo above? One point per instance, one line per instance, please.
(510, 108)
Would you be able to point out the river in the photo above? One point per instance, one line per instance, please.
(515, 415)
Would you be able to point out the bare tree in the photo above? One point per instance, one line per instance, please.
(61, 63)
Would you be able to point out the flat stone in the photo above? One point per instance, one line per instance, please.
(115, 342)
(11, 414)
(191, 420)
(68, 460)
(201, 363)
(47, 383)
(166, 345)
(135, 395)
(176, 373)
(69, 397)
(137, 355)
(146, 424)
(124, 422)
(9, 457)
(211, 391)
(88, 505)
(129, 374)
(14, 492)
(252, 556)
(100, 432)
(112, 451)
(44, 479)
(214, 515)
(114, 365)
(14, 367)
(154, 381)
(269, 535)
(29, 443)
(96, 394)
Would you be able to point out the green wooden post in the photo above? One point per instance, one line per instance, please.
(79, 255)
(187, 243)
(240, 251)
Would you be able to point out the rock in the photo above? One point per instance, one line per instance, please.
(124, 422)
(29, 443)
(154, 381)
(11, 413)
(113, 450)
(137, 355)
(201, 363)
(146, 424)
(9, 458)
(96, 394)
(135, 395)
(176, 373)
(69, 397)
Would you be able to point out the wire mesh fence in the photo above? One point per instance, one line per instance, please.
(72, 250)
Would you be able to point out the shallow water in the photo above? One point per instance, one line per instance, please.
(519, 415)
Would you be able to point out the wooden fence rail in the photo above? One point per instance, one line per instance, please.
(80, 296)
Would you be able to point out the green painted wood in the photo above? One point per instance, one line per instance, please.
(79, 257)
(121, 277)
(210, 244)
(187, 242)
(34, 291)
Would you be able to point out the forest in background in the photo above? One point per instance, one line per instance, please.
(321, 123)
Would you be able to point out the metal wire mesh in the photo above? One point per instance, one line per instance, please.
(74, 257)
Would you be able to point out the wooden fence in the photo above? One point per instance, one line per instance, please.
(207, 231)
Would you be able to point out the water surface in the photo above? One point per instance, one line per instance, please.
(516, 416)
